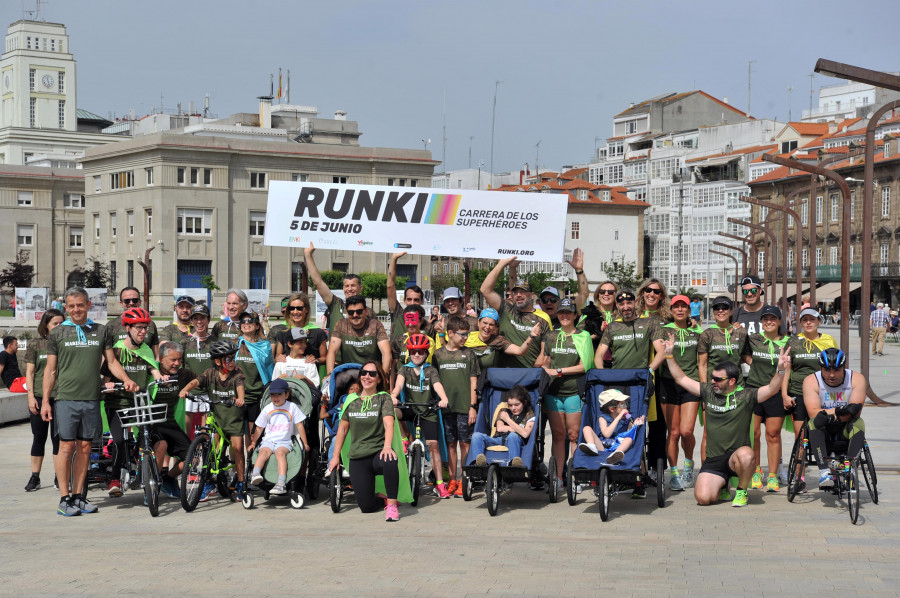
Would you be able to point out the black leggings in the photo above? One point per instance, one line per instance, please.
(40, 429)
(117, 449)
(362, 476)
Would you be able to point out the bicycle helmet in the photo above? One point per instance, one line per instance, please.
(202, 310)
(832, 358)
(417, 341)
(135, 315)
(222, 348)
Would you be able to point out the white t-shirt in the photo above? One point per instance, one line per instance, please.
(293, 367)
(280, 422)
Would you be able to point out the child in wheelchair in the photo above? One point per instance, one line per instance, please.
(617, 429)
(278, 420)
(512, 427)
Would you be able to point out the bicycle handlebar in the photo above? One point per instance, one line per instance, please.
(120, 386)
(209, 401)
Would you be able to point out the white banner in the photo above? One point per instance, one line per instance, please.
(259, 301)
(461, 222)
(31, 303)
(98, 297)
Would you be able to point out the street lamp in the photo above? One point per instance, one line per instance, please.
(425, 143)
(749, 259)
(740, 250)
(769, 259)
(728, 255)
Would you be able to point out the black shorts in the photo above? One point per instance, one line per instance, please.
(251, 412)
(176, 440)
(457, 427)
(673, 394)
(429, 428)
(719, 466)
(774, 407)
(798, 411)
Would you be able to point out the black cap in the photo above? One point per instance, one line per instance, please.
(751, 279)
(627, 294)
(566, 305)
(723, 300)
(185, 299)
(770, 310)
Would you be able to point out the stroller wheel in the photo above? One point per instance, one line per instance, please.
(493, 489)
(661, 482)
(336, 489)
(247, 500)
(603, 487)
(312, 486)
(297, 500)
(571, 484)
(466, 487)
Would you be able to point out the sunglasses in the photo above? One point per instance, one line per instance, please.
(720, 308)
(134, 301)
(418, 351)
(356, 312)
(718, 379)
(247, 321)
(369, 373)
(297, 308)
(654, 291)
(549, 299)
(462, 333)
(607, 292)
(750, 292)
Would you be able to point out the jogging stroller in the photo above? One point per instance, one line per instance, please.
(336, 390)
(497, 475)
(306, 398)
(633, 471)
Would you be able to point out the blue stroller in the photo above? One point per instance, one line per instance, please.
(633, 470)
(339, 383)
(497, 475)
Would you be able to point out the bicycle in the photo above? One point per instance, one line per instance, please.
(415, 452)
(142, 416)
(207, 456)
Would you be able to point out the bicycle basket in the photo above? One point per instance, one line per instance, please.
(143, 416)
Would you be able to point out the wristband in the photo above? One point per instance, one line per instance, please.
(579, 272)
(781, 371)
(670, 357)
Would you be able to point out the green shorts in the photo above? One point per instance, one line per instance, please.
(230, 419)
(572, 404)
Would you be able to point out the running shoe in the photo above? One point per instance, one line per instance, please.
(67, 508)
(516, 462)
(83, 504)
(826, 480)
(278, 489)
(687, 478)
(756, 482)
(481, 460)
(391, 513)
(170, 487)
(725, 494)
(772, 485)
(239, 491)
(652, 471)
(457, 492)
(740, 499)
(256, 480)
(34, 482)
(802, 487)
(618, 456)
(639, 492)
(208, 492)
(451, 487)
(440, 490)
(114, 488)
(675, 482)
(782, 475)
(589, 448)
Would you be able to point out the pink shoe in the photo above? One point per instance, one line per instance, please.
(441, 490)
(406, 444)
(391, 513)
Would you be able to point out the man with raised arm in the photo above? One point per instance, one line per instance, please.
(352, 286)
(411, 296)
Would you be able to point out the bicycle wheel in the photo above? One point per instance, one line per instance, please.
(661, 483)
(151, 484)
(195, 473)
(797, 465)
(852, 482)
(603, 485)
(868, 471)
(415, 473)
(571, 483)
(493, 489)
(336, 489)
(223, 479)
(552, 475)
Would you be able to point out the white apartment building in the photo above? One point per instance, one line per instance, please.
(848, 100)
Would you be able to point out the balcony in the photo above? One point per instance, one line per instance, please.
(832, 273)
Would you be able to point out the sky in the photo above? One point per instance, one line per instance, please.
(404, 69)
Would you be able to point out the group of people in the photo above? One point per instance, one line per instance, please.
(742, 368)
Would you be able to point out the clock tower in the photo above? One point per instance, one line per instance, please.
(37, 78)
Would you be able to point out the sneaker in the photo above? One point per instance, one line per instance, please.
(278, 489)
(782, 475)
(114, 488)
(687, 478)
(391, 513)
(170, 487)
(67, 508)
(34, 482)
(725, 494)
(639, 492)
(652, 471)
(772, 485)
(740, 499)
(756, 482)
(480, 461)
(85, 506)
(561, 484)
(826, 480)
(256, 480)
(457, 492)
(618, 456)
(239, 491)
(440, 490)
(589, 448)
(451, 487)
(579, 488)
(675, 482)
(801, 489)
(208, 493)
(516, 462)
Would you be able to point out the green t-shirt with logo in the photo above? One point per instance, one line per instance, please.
(168, 393)
(358, 345)
(230, 419)
(227, 330)
(727, 418)
(196, 356)
(685, 350)
(137, 368)
(561, 349)
(37, 354)
(172, 332)
(516, 326)
(488, 353)
(721, 344)
(630, 342)
(805, 359)
(77, 362)
(117, 331)
(253, 382)
(366, 418)
(764, 353)
(456, 370)
(418, 387)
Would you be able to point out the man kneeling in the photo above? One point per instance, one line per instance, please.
(729, 408)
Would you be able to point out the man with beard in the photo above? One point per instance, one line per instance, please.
(180, 330)
(358, 338)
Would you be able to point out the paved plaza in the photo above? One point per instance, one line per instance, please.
(455, 548)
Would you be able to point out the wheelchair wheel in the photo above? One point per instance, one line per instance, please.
(603, 486)
(336, 489)
(797, 465)
(661, 483)
(868, 471)
(195, 473)
(467, 487)
(852, 488)
(571, 484)
(493, 489)
(415, 473)
(552, 476)
(151, 486)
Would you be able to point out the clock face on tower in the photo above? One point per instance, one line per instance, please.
(47, 81)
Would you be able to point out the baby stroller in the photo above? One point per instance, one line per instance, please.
(633, 470)
(306, 398)
(498, 474)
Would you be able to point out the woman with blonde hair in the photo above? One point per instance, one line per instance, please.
(297, 314)
(653, 301)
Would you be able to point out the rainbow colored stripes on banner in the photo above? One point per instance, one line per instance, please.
(442, 208)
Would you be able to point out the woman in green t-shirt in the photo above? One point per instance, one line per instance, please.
(254, 358)
(805, 348)
(368, 419)
(35, 362)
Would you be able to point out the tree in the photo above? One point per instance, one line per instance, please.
(538, 281)
(374, 285)
(444, 281)
(17, 273)
(689, 292)
(623, 274)
(333, 278)
(96, 274)
(477, 276)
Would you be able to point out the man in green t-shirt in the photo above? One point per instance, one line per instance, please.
(179, 330)
(352, 286)
(358, 338)
(630, 338)
(412, 295)
(75, 351)
(729, 409)
(130, 297)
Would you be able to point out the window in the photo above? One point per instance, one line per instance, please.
(616, 236)
(257, 180)
(582, 194)
(113, 218)
(455, 267)
(76, 237)
(25, 198)
(884, 253)
(148, 219)
(805, 257)
(299, 178)
(852, 204)
(834, 207)
(25, 235)
(257, 224)
(32, 111)
(630, 127)
(763, 213)
(819, 214)
(179, 178)
(96, 226)
(818, 256)
(31, 76)
(194, 222)
(130, 274)
(207, 176)
(61, 79)
(195, 176)
(28, 42)
(434, 269)
(62, 114)
(851, 254)
(446, 268)
(342, 180)
(413, 182)
(113, 273)
(790, 258)
(804, 214)
(74, 201)
(576, 231)
(833, 255)
(257, 275)
(149, 174)
(885, 201)
(130, 216)
(97, 183)
(606, 196)
(788, 146)
(121, 180)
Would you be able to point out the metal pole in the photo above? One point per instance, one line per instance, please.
(767, 232)
(728, 255)
(748, 258)
(493, 119)
(793, 214)
(741, 251)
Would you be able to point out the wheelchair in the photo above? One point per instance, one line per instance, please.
(846, 471)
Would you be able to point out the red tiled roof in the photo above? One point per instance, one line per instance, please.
(595, 192)
(782, 172)
(679, 96)
(807, 129)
